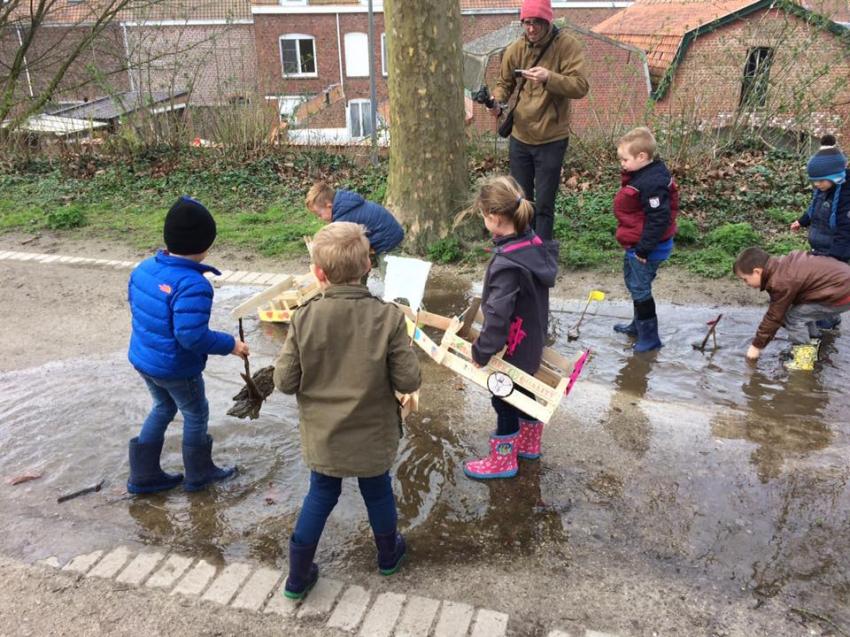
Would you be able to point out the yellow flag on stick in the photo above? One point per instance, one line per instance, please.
(596, 295)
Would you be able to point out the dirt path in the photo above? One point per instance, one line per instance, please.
(85, 311)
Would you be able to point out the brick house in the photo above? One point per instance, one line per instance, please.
(774, 66)
(316, 52)
(206, 47)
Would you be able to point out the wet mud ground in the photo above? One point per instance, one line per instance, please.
(679, 493)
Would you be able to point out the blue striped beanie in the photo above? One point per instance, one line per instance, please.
(828, 163)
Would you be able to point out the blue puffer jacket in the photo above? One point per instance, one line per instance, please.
(385, 233)
(828, 221)
(170, 301)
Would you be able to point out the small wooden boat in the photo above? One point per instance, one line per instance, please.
(553, 381)
(277, 303)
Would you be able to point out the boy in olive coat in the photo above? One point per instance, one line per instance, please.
(345, 356)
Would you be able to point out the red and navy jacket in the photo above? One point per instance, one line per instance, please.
(515, 300)
(646, 207)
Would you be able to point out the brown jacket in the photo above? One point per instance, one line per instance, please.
(543, 112)
(799, 278)
(345, 353)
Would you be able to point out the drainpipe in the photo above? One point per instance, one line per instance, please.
(339, 50)
(26, 65)
(127, 53)
(373, 100)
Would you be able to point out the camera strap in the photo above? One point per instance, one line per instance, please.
(521, 83)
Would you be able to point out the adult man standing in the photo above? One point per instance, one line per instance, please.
(542, 115)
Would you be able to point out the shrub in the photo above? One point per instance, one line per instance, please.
(712, 262)
(731, 238)
(446, 250)
(65, 218)
(688, 231)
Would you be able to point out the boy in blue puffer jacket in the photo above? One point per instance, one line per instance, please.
(382, 229)
(828, 215)
(170, 301)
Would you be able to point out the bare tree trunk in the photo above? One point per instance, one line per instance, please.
(428, 172)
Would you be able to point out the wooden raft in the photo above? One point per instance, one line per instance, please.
(277, 303)
(549, 385)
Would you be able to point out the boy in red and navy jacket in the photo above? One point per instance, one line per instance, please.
(646, 207)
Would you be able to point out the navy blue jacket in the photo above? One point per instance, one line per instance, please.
(828, 221)
(385, 233)
(170, 301)
(515, 300)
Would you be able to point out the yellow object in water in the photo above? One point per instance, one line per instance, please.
(803, 357)
(596, 295)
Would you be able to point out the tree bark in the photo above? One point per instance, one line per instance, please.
(428, 172)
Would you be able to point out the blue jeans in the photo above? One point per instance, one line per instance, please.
(186, 394)
(639, 276)
(322, 497)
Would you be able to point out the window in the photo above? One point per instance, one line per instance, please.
(756, 72)
(356, 55)
(385, 68)
(298, 55)
(359, 118)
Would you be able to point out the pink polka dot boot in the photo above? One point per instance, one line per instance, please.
(528, 442)
(501, 463)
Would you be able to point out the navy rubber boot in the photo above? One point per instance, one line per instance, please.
(200, 469)
(303, 572)
(829, 323)
(391, 551)
(146, 476)
(626, 328)
(647, 335)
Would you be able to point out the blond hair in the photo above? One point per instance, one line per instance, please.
(639, 140)
(504, 197)
(341, 249)
(319, 194)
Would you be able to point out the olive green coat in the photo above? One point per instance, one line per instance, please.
(345, 354)
(543, 112)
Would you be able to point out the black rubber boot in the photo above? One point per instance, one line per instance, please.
(303, 572)
(146, 476)
(200, 469)
(391, 551)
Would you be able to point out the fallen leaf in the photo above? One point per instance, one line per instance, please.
(24, 477)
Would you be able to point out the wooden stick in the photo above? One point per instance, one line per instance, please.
(70, 496)
(249, 381)
(710, 333)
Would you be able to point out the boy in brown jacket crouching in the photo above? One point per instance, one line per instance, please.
(803, 289)
(345, 355)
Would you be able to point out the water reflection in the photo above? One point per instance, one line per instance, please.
(626, 423)
(784, 417)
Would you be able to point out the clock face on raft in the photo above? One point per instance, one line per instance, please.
(500, 384)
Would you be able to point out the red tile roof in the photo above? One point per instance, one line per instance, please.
(657, 26)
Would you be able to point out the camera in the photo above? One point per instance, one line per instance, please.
(518, 72)
(482, 96)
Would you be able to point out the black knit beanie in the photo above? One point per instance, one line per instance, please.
(189, 227)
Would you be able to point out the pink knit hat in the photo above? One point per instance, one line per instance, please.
(536, 9)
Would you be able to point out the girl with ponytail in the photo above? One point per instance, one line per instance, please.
(515, 304)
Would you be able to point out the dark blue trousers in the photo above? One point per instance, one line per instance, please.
(322, 497)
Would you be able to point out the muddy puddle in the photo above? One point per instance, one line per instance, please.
(680, 460)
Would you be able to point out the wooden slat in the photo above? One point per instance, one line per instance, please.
(249, 306)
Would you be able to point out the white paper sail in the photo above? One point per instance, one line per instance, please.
(405, 279)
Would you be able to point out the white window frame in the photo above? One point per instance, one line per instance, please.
(290, 3)
(385, 69)
(298, 36)
(356, 46)
(349, 121)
